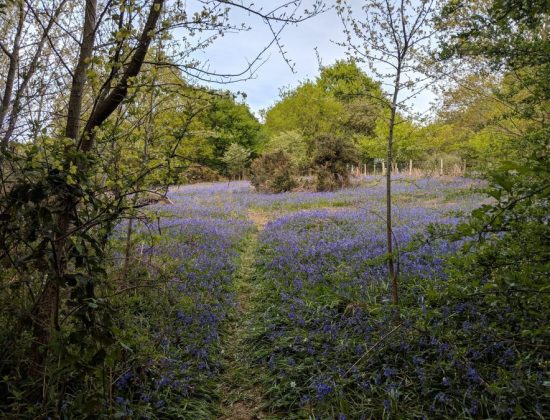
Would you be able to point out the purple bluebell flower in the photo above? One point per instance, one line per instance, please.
(323, 390)
(472, 375)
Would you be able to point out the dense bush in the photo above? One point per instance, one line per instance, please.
(273, 173)
(55, 321)
(331, 157)
(198, 173)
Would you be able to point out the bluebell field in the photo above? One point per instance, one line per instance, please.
(323, 340)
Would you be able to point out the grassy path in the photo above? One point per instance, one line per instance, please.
(241, 397)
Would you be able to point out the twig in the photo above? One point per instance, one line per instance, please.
(374, 346)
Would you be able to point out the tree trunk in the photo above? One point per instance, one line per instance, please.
(111, 102)
(46, 308)
(12, 69)
(72, 128)
(389, 233)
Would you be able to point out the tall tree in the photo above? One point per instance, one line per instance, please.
(362, 97)
(226, 121)
(47, 305)
(308, 109)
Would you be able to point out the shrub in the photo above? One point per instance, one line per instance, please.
(273, 173)
(198, 173)
(235, 158)
(331, 157)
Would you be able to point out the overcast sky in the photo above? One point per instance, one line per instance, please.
(231, 53)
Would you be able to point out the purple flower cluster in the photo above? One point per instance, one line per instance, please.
(325, 272)
(190, 249)
(321, 258)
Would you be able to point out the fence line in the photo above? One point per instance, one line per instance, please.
(409, 168)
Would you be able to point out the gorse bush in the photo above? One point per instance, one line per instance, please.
(330, 162)
(273, 173)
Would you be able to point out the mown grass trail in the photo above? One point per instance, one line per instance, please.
(241, 396)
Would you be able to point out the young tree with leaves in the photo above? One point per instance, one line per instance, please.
(389, 36)
(236, 157)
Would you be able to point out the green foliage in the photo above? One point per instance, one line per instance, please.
(505, 268)
(160, 133)
(293, 144)
(273, 173)
(330, 160)
(407, 141)
(519, 179)
(505, 32)
(342, 99)
(346, 82)
(174, 125)
(308, 110)
(474, 123)
(225, 122)
(197, 173)
(235, 158)
(54, 227)
(363, 99)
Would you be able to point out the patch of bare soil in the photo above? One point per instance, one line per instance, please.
(260, 219)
